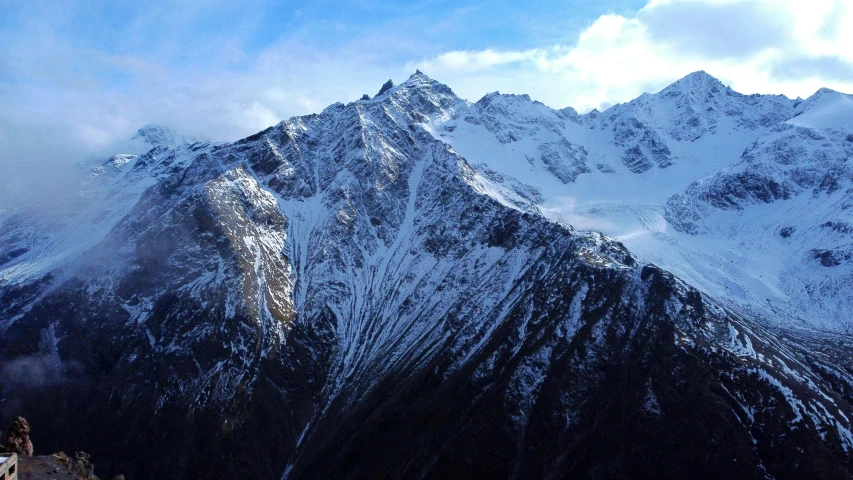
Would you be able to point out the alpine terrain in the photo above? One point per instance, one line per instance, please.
(417, 286)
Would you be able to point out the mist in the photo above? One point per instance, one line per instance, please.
(40, 371)
(42, 168)
(564, 210)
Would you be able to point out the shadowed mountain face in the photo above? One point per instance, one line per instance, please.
(344, 296)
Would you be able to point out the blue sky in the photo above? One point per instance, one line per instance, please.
(196, 32)
(78, 78)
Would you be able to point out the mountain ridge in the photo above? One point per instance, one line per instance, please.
(355, 294)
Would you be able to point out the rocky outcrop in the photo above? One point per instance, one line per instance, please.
(18, 439)
(60, 466)
(564, 160)
(644, 148)
(385, 87)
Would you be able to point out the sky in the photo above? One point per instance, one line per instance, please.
(78, 78)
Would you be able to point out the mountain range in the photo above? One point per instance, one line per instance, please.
(417, 286)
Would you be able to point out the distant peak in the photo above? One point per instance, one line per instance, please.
(700, 74)
(825, 91)
(420, 81)
(158, 135)
(825, 94)
(697, 81)
(497, 96)
(417, 86)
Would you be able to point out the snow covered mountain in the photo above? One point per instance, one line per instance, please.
(392, 288)
(642, 172)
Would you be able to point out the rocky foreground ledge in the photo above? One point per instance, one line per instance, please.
(57, 466)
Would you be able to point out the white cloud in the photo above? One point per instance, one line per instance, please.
(757, 46)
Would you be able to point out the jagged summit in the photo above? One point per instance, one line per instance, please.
(699, 104)
(419, 76)
(418, 88)
(420, 80)
(420, 96)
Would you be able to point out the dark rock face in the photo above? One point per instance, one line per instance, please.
(786, 232)
(337, 297)
(843, 228)
(832, 258)
(644, 148)
(385, 87)
(744, 188)
(564, 160)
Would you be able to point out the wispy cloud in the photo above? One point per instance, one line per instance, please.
(564, 210)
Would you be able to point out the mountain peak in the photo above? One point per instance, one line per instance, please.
(419, 76)
(420, 82)
(416, 80)
(699, 81)
(157, 136)
(826, 108)
(825, 91)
